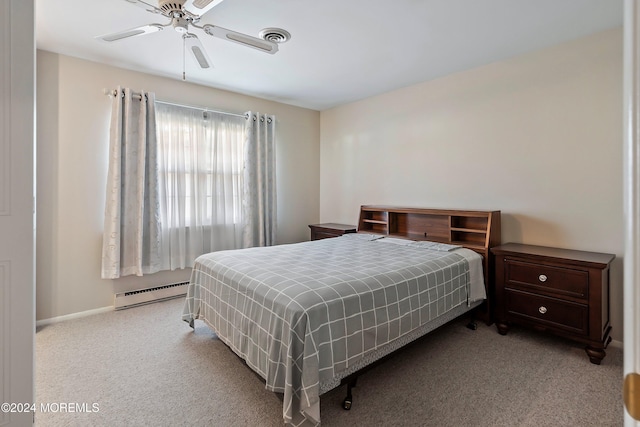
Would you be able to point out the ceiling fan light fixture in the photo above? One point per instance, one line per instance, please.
(275, 35)
(180, 24)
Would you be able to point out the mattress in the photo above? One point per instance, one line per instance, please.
(304, 315)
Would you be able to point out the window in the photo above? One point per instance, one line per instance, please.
(201, 177)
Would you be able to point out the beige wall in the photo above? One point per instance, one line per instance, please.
(538, 137)
(72, 142)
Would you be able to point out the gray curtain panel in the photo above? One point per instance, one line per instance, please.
(260, 180)
(131, 240)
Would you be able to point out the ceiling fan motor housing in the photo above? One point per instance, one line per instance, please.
(170, 6)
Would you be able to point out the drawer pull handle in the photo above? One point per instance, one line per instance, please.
(542, 278)
(542, 309)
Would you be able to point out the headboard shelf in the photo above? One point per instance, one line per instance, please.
(477, 229)
(469, 230)
(473, 229)
(375, 221)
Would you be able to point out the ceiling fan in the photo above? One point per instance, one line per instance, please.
(186, 13)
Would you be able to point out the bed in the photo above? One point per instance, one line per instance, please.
(307, 315)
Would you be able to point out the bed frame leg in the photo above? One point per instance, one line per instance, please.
(473, 325)
(346, 404)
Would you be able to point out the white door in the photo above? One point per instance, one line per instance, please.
(631, 386)
(17, 277)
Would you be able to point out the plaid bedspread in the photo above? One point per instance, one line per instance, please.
(299, 314)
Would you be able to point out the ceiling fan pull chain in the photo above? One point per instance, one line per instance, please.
(184, 72)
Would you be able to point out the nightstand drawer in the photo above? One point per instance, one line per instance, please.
(546, 311)
(547, 279)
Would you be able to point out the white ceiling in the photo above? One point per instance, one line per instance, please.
(340, 50)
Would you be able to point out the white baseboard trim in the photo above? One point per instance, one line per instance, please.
(616, 344)
(58, 319)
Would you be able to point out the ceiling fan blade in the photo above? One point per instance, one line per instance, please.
(138, 31)
(199, 7)
(146, 6)
(243, 39)
(193, 44)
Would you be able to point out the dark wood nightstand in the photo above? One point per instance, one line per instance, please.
(326, 230)
(562, 291)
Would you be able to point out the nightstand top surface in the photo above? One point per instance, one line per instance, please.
(558, 253)
(334, 226)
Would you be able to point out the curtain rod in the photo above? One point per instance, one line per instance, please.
(114, 92)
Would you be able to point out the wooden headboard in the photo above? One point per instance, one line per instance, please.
(476, 230)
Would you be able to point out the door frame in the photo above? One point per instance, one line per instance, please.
(631, 159)
(17, 204)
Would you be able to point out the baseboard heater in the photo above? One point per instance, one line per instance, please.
(147, 296)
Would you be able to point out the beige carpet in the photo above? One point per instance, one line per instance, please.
(146, 367)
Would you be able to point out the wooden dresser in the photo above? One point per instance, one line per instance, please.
(329, 229)
(561, 291)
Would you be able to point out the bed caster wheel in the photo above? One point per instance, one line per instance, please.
(472, 325)
(346, 404)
